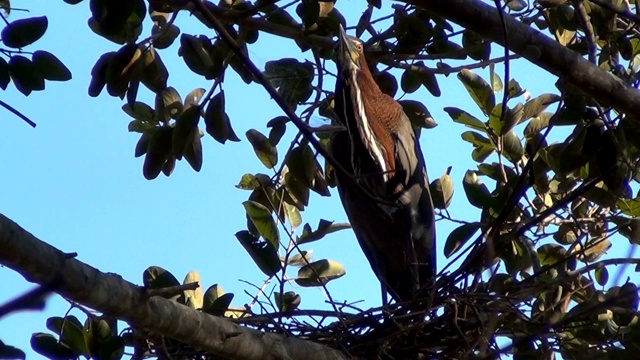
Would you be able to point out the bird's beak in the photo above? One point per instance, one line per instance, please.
(347, 53)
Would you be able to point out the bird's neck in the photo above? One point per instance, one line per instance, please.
(368, 86)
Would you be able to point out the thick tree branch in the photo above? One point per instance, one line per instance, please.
(539, 49)
(43, 264)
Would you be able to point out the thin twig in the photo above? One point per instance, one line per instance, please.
(17, 113)
(588, 30)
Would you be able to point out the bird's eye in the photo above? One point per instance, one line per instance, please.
(359, 47)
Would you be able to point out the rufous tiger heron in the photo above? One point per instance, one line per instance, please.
(391, 211)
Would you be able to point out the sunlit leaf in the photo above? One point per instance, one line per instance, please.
(463, 117)
(442, 191)
(319, 273)
(324, 228)
(480, 91)
(265, 151)
(261, 217)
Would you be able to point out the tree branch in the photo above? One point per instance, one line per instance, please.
(108, 293)
(539, 49)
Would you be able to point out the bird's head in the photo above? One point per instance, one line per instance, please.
(350, 51)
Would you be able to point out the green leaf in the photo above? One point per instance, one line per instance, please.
(185, 129)
(25, 75)
(476, 139)
(463, 117)
(116, 21)
(102, 340)
(495, 120)
(266, 152)
(458, 237)
(477, 192)
(71, 333)
(214, 292)
(496, 82)
(566, 234)
(140, 111)
(409, 82)
(220, 305)
(155, 277)
(302, 165)
(252, 182)
(537, 124)
(551, 254)
(278, 127)
(594, 249)
(292, 78)
(168, 104)
(165, 36)
(602, 275)
(121, 68)
(297, 193)
(293, 214)
(629, 207)
(324, 228)
(442, 191)
(4, 74)
(154, 73)
(479, 89)
(23, 32)
(193, 152)
(47, 345)
(514, 89)
(535, 106)
(418, 114)
(300, 259)
(194, 52)
(428, 79)
(320, 272)
(387, 83)
(261, 217)
(288, 301)
(217, 122)
(5, 6)
(193, 97)
(364, 21)
(262, 253)
(158, 152)
(513, 148)
(50, 67)
(99, 74)
(483, 147)
(477, 47)
(309, 11)
(9, 352)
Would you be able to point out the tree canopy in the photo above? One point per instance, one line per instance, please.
(554, 181)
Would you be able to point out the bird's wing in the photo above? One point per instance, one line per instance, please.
(415, 196)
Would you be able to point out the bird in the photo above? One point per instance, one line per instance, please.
(389, 204)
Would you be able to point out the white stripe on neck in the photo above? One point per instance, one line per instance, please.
(364, 128)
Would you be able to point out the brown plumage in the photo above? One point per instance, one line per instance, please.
(391, 212)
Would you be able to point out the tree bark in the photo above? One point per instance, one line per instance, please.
(108, 293)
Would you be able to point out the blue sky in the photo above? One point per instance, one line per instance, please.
(74, 183)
